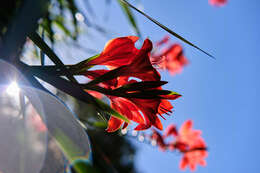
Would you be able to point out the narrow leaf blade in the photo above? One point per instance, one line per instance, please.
(166, 28)
(130, 17)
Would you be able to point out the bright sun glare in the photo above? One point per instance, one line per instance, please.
(13, 89)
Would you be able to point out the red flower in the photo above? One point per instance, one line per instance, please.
(218, 3)
(131, 107)
(187, 135)
(187, 141)
(171, 58)
(120, 53)
(195, 152)
(194, 156)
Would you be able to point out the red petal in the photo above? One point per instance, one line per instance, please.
(192, 166)
(184, 163)
(163, 41)
(114, 124)
(95, 94)
(149, 108)
(170, 130)
(158, 124)
(127, 108)
(186, 127)
(117, 52)
(141, 66)
(142, 127)
(164, 107)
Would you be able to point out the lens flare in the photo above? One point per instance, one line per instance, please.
(13, 89)
(38, 133)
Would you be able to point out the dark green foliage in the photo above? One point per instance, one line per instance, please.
(112, 153)
(8, 9)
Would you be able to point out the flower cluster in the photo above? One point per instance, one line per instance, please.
(131, 83)
(187, 140)
(169, 56)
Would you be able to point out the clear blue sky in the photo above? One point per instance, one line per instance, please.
(219, 95)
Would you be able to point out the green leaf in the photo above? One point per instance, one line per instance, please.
(42, 55)
(174, 93)
(152, 94)
(130, 17)
(23, 22)
(107, 76)
(68, 147)
(48, 51)
(166, 28)
(83, 166)
(74, 90)
(47, 25)
(73, 10)
(81, 66)
(59, 21)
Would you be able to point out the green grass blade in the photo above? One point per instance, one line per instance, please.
(167, 29)
(130, 17)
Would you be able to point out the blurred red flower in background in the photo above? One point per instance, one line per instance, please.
(170, 58)
(195, 152)
(218, 3)
(195, 155)
(170, 130)
(188, 135)
(187, 141)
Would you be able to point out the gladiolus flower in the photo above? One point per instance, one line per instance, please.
(194, 156)
(187, 140)
(218, 3)
(171, 58)
(195, 152)
(121, 53)
(131, 107)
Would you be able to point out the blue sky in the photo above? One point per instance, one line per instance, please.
(220, 96)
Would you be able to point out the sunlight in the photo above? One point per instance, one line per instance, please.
(13, 89)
